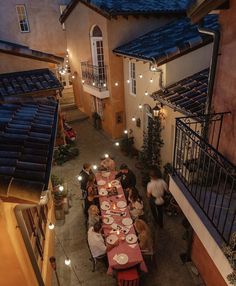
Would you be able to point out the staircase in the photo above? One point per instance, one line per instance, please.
(72, 113)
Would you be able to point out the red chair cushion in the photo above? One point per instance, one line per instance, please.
(128, 275)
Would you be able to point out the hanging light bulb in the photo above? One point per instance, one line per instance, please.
(83, 81)
(67, 56)
(116, 84)
(117, 143)
(126, 131)
(128, 81)
(146, 93)
(79, 178)
(151, 80)
(67, 261)
(67, 50)
(61, 188)
(51, 226)
(104, 84)
(106, 156)
(140, 76)
(95, 167)
(73, 77)
(133, 119)
(93, 83)
(140, 106)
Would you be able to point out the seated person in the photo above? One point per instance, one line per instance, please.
(144, 236)
(93, 215)
(108, 164)
(127, 179)
(96, 241)
(92, 192)
(135, 203)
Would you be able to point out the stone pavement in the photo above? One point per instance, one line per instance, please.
(169, 271)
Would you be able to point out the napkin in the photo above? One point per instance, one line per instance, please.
(133, 245)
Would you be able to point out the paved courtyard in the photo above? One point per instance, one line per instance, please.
(72, 234)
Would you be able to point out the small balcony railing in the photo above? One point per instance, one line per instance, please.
(94, 76)
(208, 176)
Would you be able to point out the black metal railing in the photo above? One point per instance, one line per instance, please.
(208, 175)
(95, 76)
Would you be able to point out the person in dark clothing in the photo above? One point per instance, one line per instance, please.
(83, 178)
(127, 179)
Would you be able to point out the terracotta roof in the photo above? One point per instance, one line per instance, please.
(112, 8)
(27, 133)
(169, 41)
(188, 95)
(24, 51)
(19, 85)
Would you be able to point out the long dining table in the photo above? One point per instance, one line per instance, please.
(123, 247)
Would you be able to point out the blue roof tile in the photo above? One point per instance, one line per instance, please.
(169, 41)
(188, 95)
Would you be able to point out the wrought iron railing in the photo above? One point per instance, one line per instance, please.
(95, 76)
(208, 176)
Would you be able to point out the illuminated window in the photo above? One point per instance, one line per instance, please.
(22, 18)
(132, 71)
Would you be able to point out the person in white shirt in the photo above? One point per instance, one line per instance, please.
(155, 191)
(135, 203)
(96, 241)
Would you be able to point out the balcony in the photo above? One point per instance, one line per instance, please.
(206, 175)
(94, 80)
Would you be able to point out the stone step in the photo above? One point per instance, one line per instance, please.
(75, 115)
(68, 106)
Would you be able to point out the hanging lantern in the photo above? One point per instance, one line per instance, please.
(156, 110)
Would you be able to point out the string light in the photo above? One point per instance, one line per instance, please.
(51, 226)
(116, 84)
(83, 81)
(140, 76)
(104, 84)
(61, 188)
(146, 93)
(67, 50)
(67, 56)
(128, 81)
(79, 178)
(106, 156)
(93, 83)
(140, 106)
(67, 261)
(126, 131)
(151, 80)
(133, 119)
(73, 77)
(95, 167)
(117, 143)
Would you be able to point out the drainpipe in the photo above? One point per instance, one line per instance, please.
(212, 73)
(21, 224)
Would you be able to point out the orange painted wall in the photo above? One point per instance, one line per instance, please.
(205, 265)
(224, 98)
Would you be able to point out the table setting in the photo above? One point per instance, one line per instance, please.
(118, 225)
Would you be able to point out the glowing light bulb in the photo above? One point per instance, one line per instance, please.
(146, 93)
(128, 81)
(117, 143)
(133, 119)
(116, 84)
(151, 80)
(83, 81)
(126, 131)
(140, 106)
(106, 156)
(95, 167)
(73, 77)
(93, 83)
(67, 56)
(67, 50)
(140, 76)
(67, 261)
(80, 178)
(51, 226)
(61, 188)
(104, 84)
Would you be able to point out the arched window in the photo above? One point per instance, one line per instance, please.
(96, 32)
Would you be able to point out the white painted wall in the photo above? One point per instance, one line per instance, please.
(172, 72)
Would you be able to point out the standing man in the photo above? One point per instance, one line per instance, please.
(83, 177)
(155, 191)
(127, 179)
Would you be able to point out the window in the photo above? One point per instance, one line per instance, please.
(132, 78)
(22, 18)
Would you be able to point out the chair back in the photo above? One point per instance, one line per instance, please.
(128, 277)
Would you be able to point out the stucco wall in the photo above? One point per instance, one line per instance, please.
(224, 98)
(115, 32)
(11, 63)
(45, 34)
(172, 72)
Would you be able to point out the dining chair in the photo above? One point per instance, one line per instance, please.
(152, 254)
(95, 260)
(128, 277)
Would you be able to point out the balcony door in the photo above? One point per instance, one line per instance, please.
(97, 55)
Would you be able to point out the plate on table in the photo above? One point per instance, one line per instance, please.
(131, 238)
(112, 239)
(115, 183)
(121, 204)
(106, 174)
(127, 221)
(103, 192)
(108, 220)
(105, 206)
(122, 258)
(101, 182)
